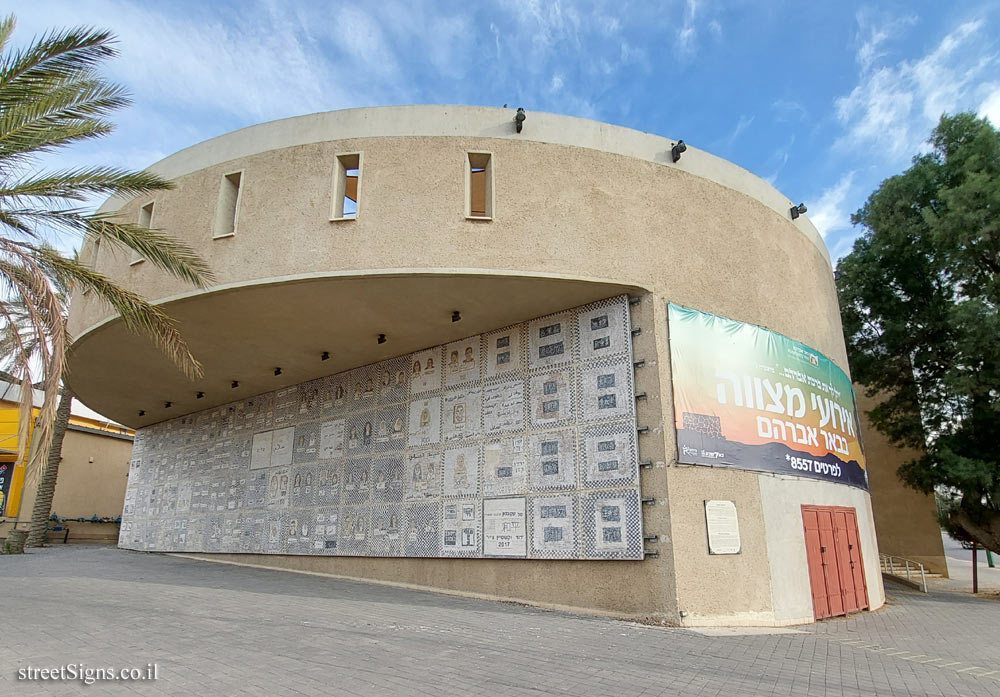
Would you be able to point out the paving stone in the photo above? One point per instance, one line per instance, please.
(223, 629)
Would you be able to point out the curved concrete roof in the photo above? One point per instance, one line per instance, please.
(480, 122)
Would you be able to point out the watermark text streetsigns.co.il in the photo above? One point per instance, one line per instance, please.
(88, 675)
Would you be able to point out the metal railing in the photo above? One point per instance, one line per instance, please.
(903, 568)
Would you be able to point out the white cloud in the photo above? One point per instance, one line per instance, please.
(788, 110)
(609, 25)
(893, 108)
(741, 125)
(829, 214)
(685, 39)
(688, 32)
(778, 160)
(868, 52)
(360, 37)
(871, 38)
(254, 69)
(548, 23)
(556, 56)
(990, 106)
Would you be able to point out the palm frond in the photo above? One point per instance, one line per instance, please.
(66, 113)
(51, 96)
(56, 57)
(42, 314)
(79, 184)
(137, 313)
(162, 250)
(165, 252)
(6, 29)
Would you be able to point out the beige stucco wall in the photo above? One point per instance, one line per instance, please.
(729, 589)
(782, 499)
(586, 202)
(905, 519)
(85, 488)
(559, 209)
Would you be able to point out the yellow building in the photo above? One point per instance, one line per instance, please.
(454, 350)
(92, 475)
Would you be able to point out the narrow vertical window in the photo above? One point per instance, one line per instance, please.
(479, 186)
(346, 184)
(146, 221)
(227, 210)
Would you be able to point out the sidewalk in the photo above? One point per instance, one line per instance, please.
(960, 569)
(215, 629)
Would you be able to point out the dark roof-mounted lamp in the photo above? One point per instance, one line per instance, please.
(798, 210)
(236, 383)
(519, 118)
(277, 372)
(200, 395)
(456, 316)
(381, 338)
(325, 356)
(675, 152)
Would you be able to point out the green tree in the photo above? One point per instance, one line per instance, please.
(53, 96)
(920, 300)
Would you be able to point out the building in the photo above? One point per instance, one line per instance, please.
(90, 490)
(906, 520)
(568, 364)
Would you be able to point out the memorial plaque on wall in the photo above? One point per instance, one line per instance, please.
(723, 527)
(516, 443)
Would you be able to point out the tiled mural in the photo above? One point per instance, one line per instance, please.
(517, 443)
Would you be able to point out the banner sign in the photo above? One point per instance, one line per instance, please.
(750, 398)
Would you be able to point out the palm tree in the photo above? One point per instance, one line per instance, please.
(17, 338)
(52, 96)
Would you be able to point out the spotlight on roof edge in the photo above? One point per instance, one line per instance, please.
(519, 118)
(675, 152)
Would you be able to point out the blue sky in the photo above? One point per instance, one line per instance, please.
(823, 99)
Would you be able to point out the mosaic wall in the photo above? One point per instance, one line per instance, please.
(516, 443)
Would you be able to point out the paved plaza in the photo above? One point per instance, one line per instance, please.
(215, 629)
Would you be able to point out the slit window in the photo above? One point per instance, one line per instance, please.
(479, 186)
(346, 184)
(146, 221)
(227, 210)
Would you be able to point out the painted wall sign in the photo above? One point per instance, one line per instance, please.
(750, 398)
(723, 527)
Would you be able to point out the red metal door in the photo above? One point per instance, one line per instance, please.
(857, 565)
(843, 559)
(814, 554)
(836, 574)
(828, 558)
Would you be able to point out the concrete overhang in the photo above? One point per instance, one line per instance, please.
(244, 331)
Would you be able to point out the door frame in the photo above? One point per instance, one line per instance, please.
(862, 600)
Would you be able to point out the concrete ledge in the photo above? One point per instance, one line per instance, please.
(657, 619)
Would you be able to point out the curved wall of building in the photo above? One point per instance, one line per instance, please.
(581, 211)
